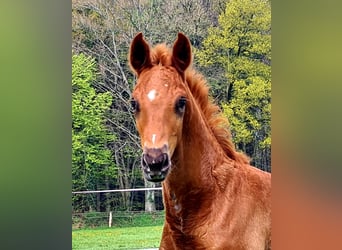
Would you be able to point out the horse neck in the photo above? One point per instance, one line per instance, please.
(197, 154)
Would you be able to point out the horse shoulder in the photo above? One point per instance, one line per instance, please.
(242, 210)
(257, 203)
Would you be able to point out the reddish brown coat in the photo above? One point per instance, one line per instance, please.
(213, 198)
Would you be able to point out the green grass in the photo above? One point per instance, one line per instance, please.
(117, 238)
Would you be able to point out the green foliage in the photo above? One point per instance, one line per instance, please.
(249, 111)
(91, 158)
(244, 30)
(241, 46)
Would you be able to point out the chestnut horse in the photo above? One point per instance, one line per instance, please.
(213, 198)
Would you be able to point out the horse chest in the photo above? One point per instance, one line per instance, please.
(189, 212)
(191, 229)
(188, 223)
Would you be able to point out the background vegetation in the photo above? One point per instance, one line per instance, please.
(119, 219)
(232, 45)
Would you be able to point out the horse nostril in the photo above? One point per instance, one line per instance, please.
(155, 163)
(144, 162)
(165, 160)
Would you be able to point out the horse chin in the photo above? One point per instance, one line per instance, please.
(156, 176)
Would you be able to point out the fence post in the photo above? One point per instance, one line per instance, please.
(110, 219)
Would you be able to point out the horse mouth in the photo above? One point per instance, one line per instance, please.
(155, 169)
(155, 176)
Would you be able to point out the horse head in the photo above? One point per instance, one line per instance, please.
(159, 101)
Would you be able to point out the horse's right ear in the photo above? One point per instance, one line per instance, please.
(139, 54)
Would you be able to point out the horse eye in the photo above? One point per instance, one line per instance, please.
(180, 105)
(135, 106)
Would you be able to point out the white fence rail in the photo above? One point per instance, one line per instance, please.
(116, 190)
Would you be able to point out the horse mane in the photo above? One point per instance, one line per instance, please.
(218, 123)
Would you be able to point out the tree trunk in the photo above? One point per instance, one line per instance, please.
(150, 205)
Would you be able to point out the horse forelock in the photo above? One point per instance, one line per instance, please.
(161, 54)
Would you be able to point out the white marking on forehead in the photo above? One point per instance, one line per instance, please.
(153, 138)
(152, 95)
(166, 85)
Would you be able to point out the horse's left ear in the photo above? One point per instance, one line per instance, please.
(181, 53)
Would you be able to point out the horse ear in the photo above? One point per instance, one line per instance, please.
(181, 53)
(139, 54)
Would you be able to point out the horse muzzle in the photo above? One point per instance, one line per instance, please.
(155, 163)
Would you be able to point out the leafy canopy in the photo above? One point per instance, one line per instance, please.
(241, 45)
(91, 159)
